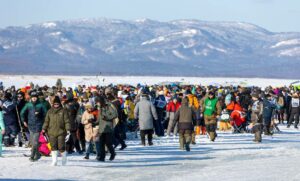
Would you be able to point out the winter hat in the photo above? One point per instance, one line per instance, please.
(21, 93)
(8, 96)
(56, 100)
(33, 94)
(188, 91)
(255, 95)
(211, 93)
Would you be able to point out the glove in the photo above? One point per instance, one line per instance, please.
(68, 136)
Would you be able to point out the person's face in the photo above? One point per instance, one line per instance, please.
(56, 105)
(210, 96)
(34, 99)
(20, 97)
(254, 98)
(175, 101)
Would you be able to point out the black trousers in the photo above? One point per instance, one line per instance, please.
(118, 137)
(294, 116)
(106, 139)
(73, 143)
(149, 134)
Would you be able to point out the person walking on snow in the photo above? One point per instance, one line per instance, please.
(57, 127)
(34, 112)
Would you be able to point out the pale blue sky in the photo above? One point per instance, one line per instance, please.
(274, 15)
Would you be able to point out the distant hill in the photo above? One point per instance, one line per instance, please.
(147, 47)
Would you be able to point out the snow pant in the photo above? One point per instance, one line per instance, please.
(73, 143)
(294, 116)
(0, 143)
(118, 138)
(159, 130)
(172, 126)
(106, 139)
(10, 135)
(267, 125)
(185, 138)
(34, 141)
(57, 143)
(149, 134)
(257, 130)
(211, 126)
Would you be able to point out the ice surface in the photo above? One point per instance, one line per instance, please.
(71, 81)
(231, 157)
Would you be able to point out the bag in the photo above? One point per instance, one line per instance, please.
(44, 148)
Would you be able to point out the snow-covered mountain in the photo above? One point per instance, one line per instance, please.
(147, 47)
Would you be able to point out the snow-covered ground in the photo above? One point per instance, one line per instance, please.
(71, 81)
(231, 157)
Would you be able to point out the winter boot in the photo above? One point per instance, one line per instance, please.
(123, 147)
(181, 141)
(112, 156)
(212, 136)
(54, 158)
(257, 137)
(64, 158)
(150, 140)
(87, 156)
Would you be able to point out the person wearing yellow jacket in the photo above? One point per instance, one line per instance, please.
(2, 131)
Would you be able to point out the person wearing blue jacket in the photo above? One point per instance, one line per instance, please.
(2, 131)
(10, 120)
(268, 108)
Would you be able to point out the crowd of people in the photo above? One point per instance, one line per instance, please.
(96, 119)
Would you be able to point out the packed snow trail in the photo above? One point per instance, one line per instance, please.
(231, 157)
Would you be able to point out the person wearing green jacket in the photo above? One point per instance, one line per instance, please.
(107, 114)
(2, 131)
(33, 116)
(57, 127)
(211, 110)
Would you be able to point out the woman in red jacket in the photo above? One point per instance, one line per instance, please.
(172, 108)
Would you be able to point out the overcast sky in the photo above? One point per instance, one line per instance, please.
(274, 15)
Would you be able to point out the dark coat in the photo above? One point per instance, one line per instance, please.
(73, 108)
(185, 116)
(35, 116)
(9, 113)
(57, 122)
(268, 108)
